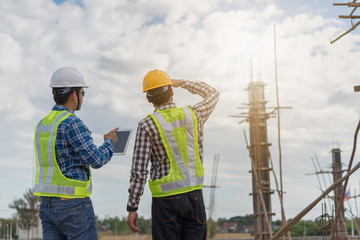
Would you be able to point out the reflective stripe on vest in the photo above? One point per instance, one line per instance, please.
(188, 181)
(49, 179)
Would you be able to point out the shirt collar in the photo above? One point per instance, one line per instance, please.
(61, 108)
(166, 106)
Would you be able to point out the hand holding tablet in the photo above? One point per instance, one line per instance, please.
(123, 141)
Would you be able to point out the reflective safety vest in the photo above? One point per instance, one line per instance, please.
(50, 181)
(179, 133)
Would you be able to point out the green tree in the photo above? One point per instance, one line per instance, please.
(7, 228)
(242, 220)
(307, 228)
(27, 210)
(212, 227)
(120, 227)
(144, 225)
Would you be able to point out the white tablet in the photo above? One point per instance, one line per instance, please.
(123, 141)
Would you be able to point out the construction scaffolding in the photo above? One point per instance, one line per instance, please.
(337, 221)
(261, 162)
(333, 201)
(354, 4)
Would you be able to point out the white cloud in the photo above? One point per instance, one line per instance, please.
(12, 51)
(114, 44)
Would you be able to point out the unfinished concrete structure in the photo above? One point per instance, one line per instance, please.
(337, 174)
(259, 154)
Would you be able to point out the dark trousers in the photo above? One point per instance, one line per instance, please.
(179, 217)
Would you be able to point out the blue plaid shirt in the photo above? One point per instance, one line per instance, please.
(75, 149)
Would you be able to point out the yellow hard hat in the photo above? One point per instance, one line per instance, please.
(155, 79)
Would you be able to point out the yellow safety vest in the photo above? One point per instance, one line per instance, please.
(50, 181)
(179, 133)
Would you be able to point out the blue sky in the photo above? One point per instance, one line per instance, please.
(114, 44)
(77, 2)
(59, 2)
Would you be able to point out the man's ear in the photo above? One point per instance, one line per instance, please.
(171, 91)
(148, 99)
(74, 95)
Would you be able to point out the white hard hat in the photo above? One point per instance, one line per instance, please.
(67, 77)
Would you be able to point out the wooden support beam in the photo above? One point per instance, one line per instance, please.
(345, 16)
(351, 4)
(357, 24)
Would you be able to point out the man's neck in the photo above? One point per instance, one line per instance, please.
(70, 106)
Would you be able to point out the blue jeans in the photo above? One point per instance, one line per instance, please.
(179, 217)
(67, 219)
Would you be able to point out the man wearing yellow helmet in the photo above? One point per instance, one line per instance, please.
(171, 138)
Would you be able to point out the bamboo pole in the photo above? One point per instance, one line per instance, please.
(351, 4)
(349, 16)
(357, 24)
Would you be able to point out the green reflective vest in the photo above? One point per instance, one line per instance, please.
(179, 133)
(49, 180)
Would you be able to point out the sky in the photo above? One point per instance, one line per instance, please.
(114, 43)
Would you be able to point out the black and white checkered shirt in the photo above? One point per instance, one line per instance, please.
(149, 146)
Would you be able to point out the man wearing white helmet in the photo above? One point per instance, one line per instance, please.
(65, 151)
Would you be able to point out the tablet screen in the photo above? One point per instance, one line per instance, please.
(123, 141)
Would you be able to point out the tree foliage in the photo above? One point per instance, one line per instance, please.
(303, 227)
(27, 210)
(120, 227)
(7, 228)
(212, 227)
